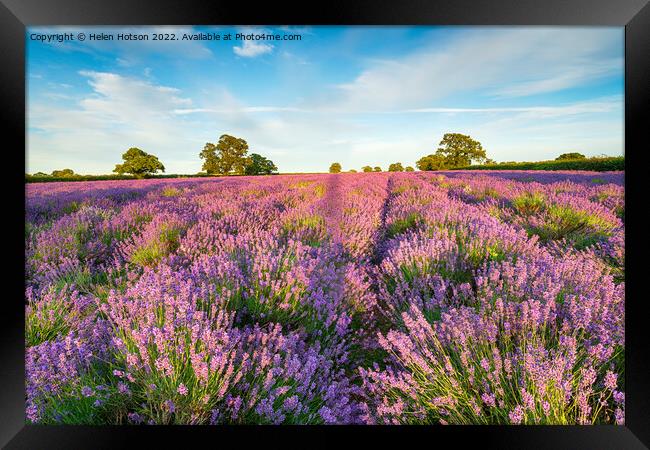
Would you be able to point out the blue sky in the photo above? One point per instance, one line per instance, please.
(356, 95)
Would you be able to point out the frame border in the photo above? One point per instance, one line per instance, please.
(634, 15)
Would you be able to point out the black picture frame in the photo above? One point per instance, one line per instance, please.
(634, 15)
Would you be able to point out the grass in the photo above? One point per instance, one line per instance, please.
(310, 228)
(170, 191)
(401, 225)
(151, 253)
(50, 321)
(529, 203)
(579, 227)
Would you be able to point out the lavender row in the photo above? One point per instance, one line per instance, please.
(324, 299)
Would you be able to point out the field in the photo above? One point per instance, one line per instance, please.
(380, 298)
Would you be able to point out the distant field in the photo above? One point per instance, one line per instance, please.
(49, 179)
(592, 164)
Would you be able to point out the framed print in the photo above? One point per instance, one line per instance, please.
(373, 219)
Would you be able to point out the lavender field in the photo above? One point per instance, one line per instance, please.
(370, 298)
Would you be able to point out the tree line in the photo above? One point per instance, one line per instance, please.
(455, 151)
(229, 156)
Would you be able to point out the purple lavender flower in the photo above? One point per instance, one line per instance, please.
(516, 415)
(379, 298)
(86, 391)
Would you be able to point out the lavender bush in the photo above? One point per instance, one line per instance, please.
(370, 298)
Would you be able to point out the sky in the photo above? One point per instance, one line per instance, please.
(370, 95)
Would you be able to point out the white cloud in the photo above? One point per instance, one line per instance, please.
(241, 109)
(604, 105)
(251, 49)
(530, 61)
(121, 112)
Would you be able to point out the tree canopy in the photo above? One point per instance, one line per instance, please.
(460, 150)
(259, 165)
(63, 173)
(139, 163)
(409, 169)
(376, 169)
(230, 157)
(455, 150)
(431, 162)
(565, 156)
(335, 168)
(209, 154)
(396, 167)
(366, 169)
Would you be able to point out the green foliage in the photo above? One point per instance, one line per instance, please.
(529, 203)
(409, 169)
(376, 169)
(49, 321)
(311, 228)
(578, 227)
(396, 167)
(63, 173)
(366, 169)
(259, 165)
(590, 164)
(49, 178)
(232, 153)
(456, 150)
(431, 162)
(460, 150)
(570, 156)
(151, 253)
(335, 168)
(170, 191)
(209, 154)
(228, 157)
(139, 163)
(401, 225)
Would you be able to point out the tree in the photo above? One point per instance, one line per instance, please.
(335, 168)
(409, 169)
(366, 169)
(431, 162)
(63, 173)
(565, 156)
(259, 165)
(352, 171)
(138, 163)
(376, 169)
(396, 167)
(40, 174)
(209, 154)
(231, 155)
(460, 150)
